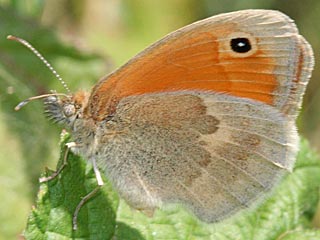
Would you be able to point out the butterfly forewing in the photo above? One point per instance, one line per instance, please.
(200, 57)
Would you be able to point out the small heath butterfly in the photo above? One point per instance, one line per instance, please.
(204, 117)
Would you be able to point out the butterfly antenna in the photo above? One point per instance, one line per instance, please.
(24, 102)
(36, 52)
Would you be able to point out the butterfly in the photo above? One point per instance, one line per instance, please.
(204, 117)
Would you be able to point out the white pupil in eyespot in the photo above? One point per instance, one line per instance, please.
(240, 45)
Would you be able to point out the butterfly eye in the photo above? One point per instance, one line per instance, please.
(240, 45)
(69, 110)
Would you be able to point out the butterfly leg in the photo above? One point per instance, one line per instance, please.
(97, 173)
(89, 195)
(64, 164)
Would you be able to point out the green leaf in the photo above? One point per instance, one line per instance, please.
(287, 214)
(301, 235)
(59, 197)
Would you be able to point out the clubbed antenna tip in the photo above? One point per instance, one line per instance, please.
(10, 37)
(24, 102)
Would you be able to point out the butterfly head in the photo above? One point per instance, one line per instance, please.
(65, 110)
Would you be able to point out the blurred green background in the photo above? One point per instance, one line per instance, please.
(84, 40)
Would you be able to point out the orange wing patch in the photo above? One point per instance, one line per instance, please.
(191, 61)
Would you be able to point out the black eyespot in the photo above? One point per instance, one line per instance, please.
(240, 45)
